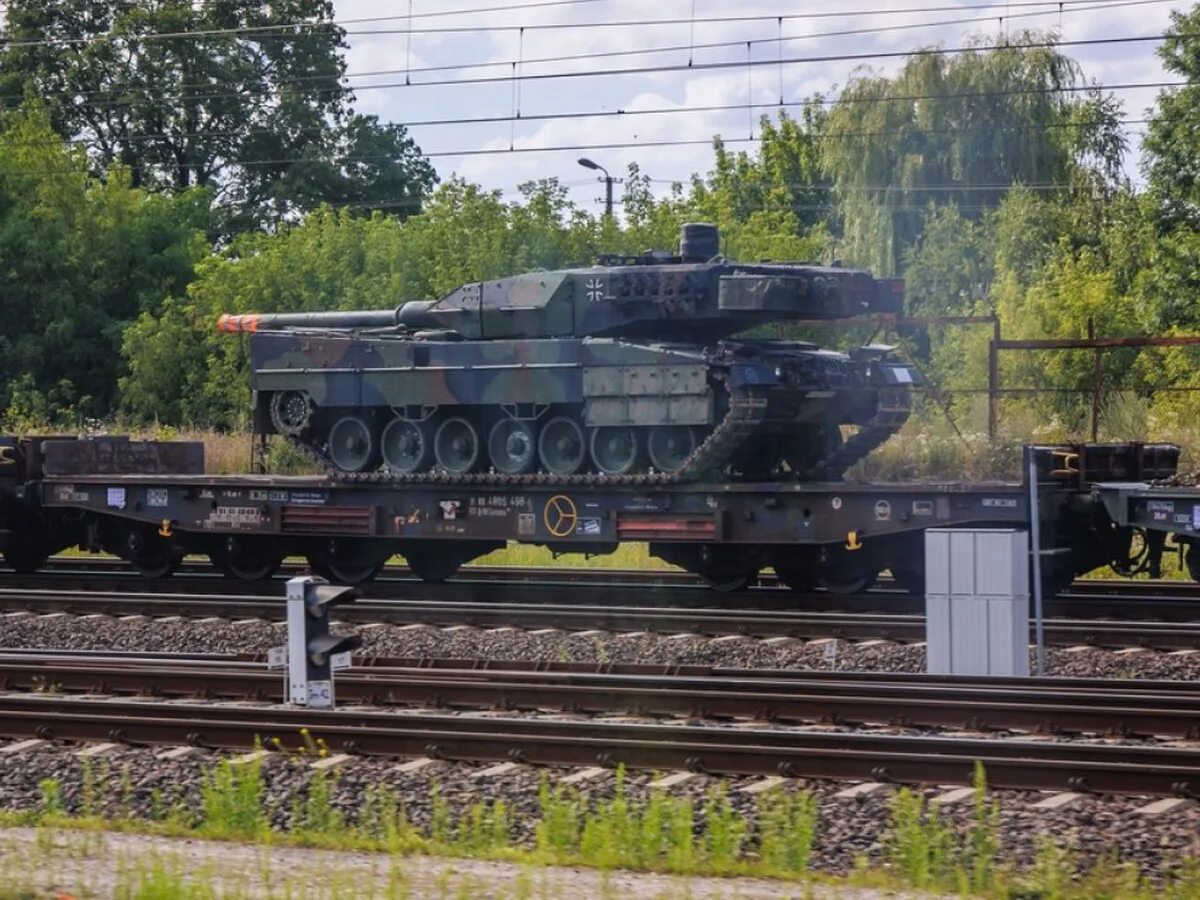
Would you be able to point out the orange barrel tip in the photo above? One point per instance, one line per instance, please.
(236, 324)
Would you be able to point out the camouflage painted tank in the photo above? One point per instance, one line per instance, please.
(634, 368)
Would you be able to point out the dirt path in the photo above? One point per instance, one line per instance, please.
(85, 864)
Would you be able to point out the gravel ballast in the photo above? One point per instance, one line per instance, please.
(135, 782)
(64, 632)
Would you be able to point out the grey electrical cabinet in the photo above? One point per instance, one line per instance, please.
(977, 601)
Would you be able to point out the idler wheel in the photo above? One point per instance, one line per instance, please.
(561, 446)
(670, 446)
(291, 412)
(512, 446)
(614, 449)
(456, 446)
(352, 445)
(407, 446)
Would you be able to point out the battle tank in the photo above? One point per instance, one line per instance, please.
(636, 369)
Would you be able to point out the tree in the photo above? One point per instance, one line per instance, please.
(242, 96)
(961, 128)
(79, 260)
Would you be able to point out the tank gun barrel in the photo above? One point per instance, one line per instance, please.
(337, 321)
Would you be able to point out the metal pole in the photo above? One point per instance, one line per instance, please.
(608, 183)
(993, 383)
(1035, 547)
(1091, 328)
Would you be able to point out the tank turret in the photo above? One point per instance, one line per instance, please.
(635, 367)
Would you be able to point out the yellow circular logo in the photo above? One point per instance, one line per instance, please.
(560, 515)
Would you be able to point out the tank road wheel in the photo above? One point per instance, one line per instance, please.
(614, 449)
(407, 446)
(561, 446)
(512, 446)
(347, 562)
(352, 445)
(456, 446)
(290, 412)
(670, 446)
(245, 563)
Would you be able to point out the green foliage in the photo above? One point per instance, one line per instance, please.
(232, 801)
(787, 827)
(82, 258)
(960, 129)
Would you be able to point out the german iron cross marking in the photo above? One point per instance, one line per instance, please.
(595, 290)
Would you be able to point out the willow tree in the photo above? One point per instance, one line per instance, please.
(962, 128)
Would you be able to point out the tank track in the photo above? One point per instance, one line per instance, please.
(747, 410)
(890, 415)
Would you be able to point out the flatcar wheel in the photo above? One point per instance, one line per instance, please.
(727, 582)
(432, 566)
(512, 446)
(351, 444)
(346, 565)
(846, 583)
(150, 554)
(910, 580)
(669, 446)
(156, 566)
(407, 446)
(456, 446)
(246, 566)
(561, 446)
(614, 449)
(23, 554)
(1192, 561)
(796, 577)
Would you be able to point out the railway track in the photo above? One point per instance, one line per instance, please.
(805, 624)
(714, 746)
(1170, 601)
(1048, 706)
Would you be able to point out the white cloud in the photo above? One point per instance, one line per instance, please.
(574, 49)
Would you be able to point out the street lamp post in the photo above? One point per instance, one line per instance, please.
(608, 184)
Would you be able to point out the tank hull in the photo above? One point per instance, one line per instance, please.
(659, 401)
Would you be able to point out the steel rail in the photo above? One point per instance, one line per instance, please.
(756, 623)
(1014, 764)
(1041, 705)
(1168, 601)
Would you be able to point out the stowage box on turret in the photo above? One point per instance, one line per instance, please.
(634, 368)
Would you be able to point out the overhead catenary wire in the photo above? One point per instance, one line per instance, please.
(510, 65)
(339, 24)
(138, 137)
(571, 148)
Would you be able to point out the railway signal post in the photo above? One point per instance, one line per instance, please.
(311, 647)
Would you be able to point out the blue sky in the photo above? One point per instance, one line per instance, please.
(435, 52)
